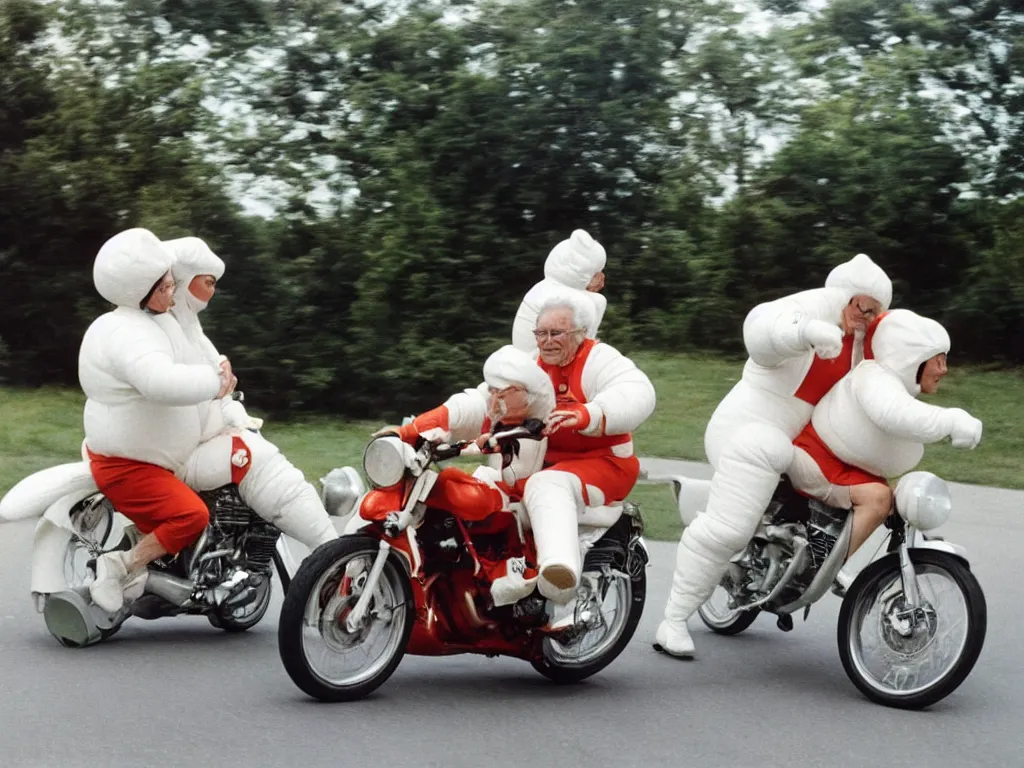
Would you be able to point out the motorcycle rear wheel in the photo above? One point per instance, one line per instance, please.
(932, 631)
(723, 620)
(316, 589)
(557, 663)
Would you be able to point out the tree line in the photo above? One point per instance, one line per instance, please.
(415, 161)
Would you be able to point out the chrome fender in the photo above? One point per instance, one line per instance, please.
(691, 494)
(920, 542)
(50, 540)
(33, 495)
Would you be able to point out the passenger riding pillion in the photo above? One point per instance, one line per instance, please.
(799, 346)
(602, 397)
(871, 426)
(230, 451)
(575, 267)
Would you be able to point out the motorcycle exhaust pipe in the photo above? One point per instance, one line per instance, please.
(171, 588)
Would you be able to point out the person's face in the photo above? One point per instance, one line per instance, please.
(162, 298)
(509, 405)
(203, 287)
(557, 339)
(596, 283)
(860, 313)
(934, 369)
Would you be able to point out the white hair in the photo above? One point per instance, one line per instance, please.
(582, 311)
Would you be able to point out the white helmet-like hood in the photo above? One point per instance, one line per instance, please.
(860, 275)
(902, 340)
(575, 261)
(510, 367)
(128, 265)
(192, 257)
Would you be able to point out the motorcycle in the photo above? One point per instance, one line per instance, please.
(225, 575)
(912, 623)
(408, 577)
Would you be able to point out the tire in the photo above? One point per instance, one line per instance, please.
(860, 598)
(563, 673)
(730, 622)
(233, 624)
(290, 628)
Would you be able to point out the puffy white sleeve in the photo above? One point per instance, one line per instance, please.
(461, 417)
(894, 410)
(774, 330)
(142, 358)
(620, 397)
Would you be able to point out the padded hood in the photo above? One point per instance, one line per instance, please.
(902, 340)
(860, 275)
(128, 266)
(575, 261)
(192, 257)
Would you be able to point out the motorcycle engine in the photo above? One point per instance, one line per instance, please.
(247, 541)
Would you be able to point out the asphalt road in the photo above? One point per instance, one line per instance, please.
(177, 692)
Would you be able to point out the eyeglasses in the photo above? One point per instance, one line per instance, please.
(554, 335)
(515, 388)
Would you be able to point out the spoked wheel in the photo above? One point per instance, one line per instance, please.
(719, 617)
(609, 605)
(323, 655)
(244, 616)
(909, 658)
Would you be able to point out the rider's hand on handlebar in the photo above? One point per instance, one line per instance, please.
(227, 380)
(565, 419)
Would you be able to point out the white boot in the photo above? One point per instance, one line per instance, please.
(113, 582)
(842, 582)
(673, 638)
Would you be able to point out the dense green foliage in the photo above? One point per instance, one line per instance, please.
(423, 156)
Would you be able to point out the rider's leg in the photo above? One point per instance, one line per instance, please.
(167, 511)
(276, 490)
(746, 476)
(872, 503)
(553, 501)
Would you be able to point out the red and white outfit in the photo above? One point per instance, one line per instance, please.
(227, 450)
(797, 352)
(568, 270)
(491, 488)
(871, 426)
(141, 421)
(592, 464)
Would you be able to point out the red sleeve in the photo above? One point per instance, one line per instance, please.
(433, 419)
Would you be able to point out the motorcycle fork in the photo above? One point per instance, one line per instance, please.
(355, 617)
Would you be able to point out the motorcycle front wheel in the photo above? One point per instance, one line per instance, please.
(321, 655)
(912, 658)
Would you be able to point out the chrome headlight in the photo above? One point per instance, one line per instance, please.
(341, 489)
(385, 460)
(923, 499)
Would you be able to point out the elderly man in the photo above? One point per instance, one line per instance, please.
(514, 390)
(602, 397)
(141, 416)
(574, 267)
(870, 426)
(799, 347)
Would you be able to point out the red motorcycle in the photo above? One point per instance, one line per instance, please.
(416, 577)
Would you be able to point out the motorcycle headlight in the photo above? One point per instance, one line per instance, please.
(385, 460)
(341, 489)
(923, 499)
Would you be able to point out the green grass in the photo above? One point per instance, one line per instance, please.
(43, 427)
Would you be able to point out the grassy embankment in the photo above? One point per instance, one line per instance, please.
(43, 427)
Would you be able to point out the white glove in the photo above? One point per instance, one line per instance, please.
(965, 430)
(825, 339)
(235, 416)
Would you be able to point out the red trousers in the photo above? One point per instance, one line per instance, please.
(152, 498)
